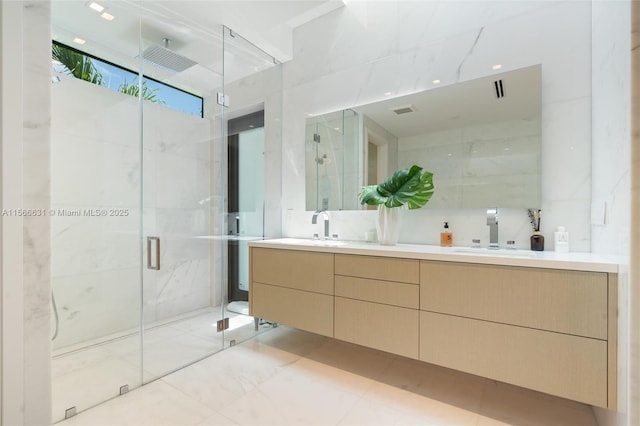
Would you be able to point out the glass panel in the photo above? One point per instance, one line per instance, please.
(252, 124)
(182, 300)
(95, 221)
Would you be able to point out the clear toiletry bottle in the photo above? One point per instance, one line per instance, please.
(446, 237)
(561, 240)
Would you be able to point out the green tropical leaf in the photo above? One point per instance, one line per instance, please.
(410, 187)
(133, 89)
(76, 64)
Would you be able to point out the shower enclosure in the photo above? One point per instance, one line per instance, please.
(139, 197)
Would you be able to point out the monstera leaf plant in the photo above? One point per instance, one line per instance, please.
(411, 187)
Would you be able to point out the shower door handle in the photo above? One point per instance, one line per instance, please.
(153, 265)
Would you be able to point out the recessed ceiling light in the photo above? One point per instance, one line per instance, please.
(436, 81)
(387, 93)
(107, 16)
(79, 40)
(97, 7)
(496, 67)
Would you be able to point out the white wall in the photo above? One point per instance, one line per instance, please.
(356, 54)
(611, 86)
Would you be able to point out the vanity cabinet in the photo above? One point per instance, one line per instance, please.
(375, 298)
(544, 329)
(530, 323)
(293, 288)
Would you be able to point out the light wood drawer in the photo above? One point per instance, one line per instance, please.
(572, 302)
(387, 292)
(387, 328)
(300, 309)
(559, 364)
(293, 269)
(378, 268)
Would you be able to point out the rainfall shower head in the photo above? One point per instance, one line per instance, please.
(166, 59)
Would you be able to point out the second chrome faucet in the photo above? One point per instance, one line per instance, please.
(325, 216)
(492, 222)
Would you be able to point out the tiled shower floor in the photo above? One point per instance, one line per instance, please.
(84, 376)
(289, 377)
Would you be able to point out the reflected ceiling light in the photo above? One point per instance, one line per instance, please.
(79, 40)
(96, 6)
(107, 16)
(436, 81)
(496, 67)
(387, 93)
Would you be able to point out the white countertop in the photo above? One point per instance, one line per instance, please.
(534, 259)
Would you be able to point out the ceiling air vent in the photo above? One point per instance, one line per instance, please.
(499, 89)
(404, 109)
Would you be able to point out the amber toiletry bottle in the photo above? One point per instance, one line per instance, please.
(446, 237)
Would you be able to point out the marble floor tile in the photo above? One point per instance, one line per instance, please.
(289, 377)
(291, 398)
(157, 403)
(68, 363)
(84, 377)
(85, 387)
(219, 380)
(512, 405)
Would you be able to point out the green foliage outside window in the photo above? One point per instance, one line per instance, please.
(81, 66)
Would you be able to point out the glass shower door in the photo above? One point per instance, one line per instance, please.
(182, 298)
(95, 220)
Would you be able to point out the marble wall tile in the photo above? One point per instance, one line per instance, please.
(96, 304)
(614, 176)
(35, 17)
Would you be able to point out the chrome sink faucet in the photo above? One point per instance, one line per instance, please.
(325, 216)
(492, 222)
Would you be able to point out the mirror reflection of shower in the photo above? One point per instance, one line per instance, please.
(331, 139)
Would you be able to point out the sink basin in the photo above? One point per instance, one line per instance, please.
(494, 252)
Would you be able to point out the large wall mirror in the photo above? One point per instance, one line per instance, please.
(481, 138)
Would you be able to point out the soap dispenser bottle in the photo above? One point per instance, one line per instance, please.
(561, 240)
(446, 237)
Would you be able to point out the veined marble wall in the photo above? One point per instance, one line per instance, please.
(611, 85)
(25, 92)
(95, 166)
(354, 55)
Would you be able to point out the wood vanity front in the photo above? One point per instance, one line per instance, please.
(525, 322)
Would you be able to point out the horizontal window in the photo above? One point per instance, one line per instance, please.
(68, 60)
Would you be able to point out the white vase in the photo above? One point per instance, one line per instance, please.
(387, 225)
